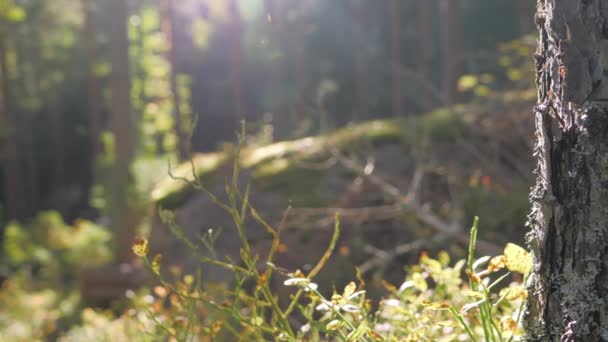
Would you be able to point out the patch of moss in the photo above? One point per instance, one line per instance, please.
(276, 165)
(444, 125)
(300, 186)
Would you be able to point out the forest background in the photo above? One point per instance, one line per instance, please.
(408, 118)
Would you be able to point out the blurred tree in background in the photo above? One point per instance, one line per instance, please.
(96, 96)
(347, 103)
(300, 66)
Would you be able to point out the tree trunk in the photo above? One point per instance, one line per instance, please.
(425, 48)
(568, 287)
(451, 46)
(122, 125)
(361, 102)
(29, 166)
(93, 99)
(167, 15)
(90, 47)
(8, 143)
(397, 88)
(235, 60)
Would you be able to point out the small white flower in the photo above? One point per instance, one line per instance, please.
(333, 325)
(325, 306)
(349, 308)
(296, 281)
(391, 302)
(383, 327)
(149, 299)
(406, 285)
(355, 295)
(305, 328)
(311, 287)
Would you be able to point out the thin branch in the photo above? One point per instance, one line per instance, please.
(384, 257)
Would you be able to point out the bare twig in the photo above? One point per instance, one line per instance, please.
(383, 257)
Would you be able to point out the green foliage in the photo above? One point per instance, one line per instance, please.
(48, 241)
(11, 12)
(512, 71)
(28, 314)
(433, 303)
(41, 294)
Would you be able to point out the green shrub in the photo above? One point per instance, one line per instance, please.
(40, 297)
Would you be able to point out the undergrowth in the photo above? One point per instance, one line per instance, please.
(469, 300)
(477, 299)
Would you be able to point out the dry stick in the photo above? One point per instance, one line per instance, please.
(423, 213)
(410, 203)
(382, 257)
(373, 213)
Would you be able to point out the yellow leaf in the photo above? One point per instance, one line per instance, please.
(435, 305)
(333, 325)
(481, 91)
(451, 324)
(140, 247)
(467, 82)
(216, 327)
(496, 263)
(188, 279)
(374, 335)
(517, 259)
(257, 321)
(474, 278)
(473, 294)
(433, 266)
(349, 289)
(156, 263)
(419, 282)
(508, 324)
(388, 286)
(514, 293)
(337, 298)
(444, 258)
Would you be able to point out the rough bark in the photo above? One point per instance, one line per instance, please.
(568, 287)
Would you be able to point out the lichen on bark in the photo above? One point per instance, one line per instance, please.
(568, 288)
